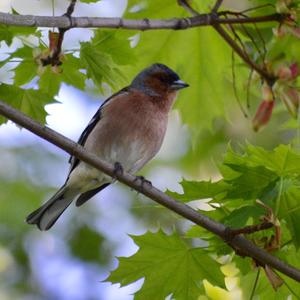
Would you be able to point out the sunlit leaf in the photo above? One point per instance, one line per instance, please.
(161, 257)
(195, 190)
(7, 33)
(29, 101)
(99, 65)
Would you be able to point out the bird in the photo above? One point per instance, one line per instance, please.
(127, 130)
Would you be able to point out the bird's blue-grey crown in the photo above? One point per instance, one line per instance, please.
(160, 71)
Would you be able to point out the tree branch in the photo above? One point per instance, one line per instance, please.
(238, 243)
(144, 24)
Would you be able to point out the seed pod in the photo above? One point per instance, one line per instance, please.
(53, 40)
(284, 73)
(294, 70)
(263, 114)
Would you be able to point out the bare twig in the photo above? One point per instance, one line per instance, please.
(235, 86)
(246, 247)
(217, 6)
(251, 228)
(70, 8)
(144, 24)
(255, 284)
(248, 88)
(187, 7)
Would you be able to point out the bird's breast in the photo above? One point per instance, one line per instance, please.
(131, 135)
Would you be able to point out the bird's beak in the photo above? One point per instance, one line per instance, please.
(179, 84)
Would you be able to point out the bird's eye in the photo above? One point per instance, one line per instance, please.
(164, 78)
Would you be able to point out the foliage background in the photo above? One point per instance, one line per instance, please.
(208, 139)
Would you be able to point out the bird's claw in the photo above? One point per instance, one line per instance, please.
(143, 181)
(118, 169)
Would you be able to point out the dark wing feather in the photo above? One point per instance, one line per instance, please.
(96, 118)
(89, 194)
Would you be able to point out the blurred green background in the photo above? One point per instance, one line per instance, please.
(70, 261)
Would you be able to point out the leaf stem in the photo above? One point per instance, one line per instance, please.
(255, 284)
(278, 199)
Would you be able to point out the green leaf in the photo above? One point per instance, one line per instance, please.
(167, 9)
(169, 266)
(240, 216)
(25, 72)
(116, 44)
(27, 69)
(99, 66)
(264, 289)
(241, 180)
(70, 72)
(50, 81)
(29, 101)
(195, 190)
(251, 183)
(89, 1)
(215, 245)
(7, 33)
(282, 160)
(289, 208)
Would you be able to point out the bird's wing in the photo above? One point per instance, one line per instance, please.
(96, 118)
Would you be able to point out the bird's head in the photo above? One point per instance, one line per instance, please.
(157, 80)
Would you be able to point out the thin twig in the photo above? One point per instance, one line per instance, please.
(235, 87)
(258, 7)
(217, 6)
(248, 88)
(246, 31)
(263, 43)
(70, 8)
(251, 228)
(237, 242)
(242, 45)
(187, 7)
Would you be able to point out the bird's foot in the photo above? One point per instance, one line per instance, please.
(118, 169)
(143, 181)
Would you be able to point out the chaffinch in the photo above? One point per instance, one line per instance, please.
(128, 128)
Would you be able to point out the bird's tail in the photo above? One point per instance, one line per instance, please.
(45, 216)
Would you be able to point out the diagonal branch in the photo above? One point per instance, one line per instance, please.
(144, 24)
(238, 243)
